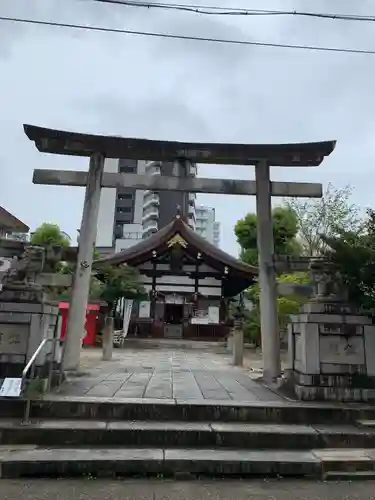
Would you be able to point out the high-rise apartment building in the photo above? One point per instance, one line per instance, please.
(127, 215)
(120, 210)
(206, 225)
(159, 208)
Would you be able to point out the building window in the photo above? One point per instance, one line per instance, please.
(126, 170)
(124, 210)
(125, 196)
(119, 229)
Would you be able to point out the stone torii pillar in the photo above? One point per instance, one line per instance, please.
(269, 324)
(260, 156)
(86, 246)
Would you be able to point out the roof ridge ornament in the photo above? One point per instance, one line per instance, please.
(177, 239)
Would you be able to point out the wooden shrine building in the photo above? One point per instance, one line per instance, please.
(189, 283)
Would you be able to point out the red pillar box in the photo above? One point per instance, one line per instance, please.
(91, 325)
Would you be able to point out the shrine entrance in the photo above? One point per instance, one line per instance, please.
(174, 314)
(261, 156)
(190, 300)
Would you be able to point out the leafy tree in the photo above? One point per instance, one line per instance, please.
(118, 282)
(285, 229)
(328, 216)
(49, 234)
(286, 306)
(352, 253)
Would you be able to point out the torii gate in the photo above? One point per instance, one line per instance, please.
(97, 148)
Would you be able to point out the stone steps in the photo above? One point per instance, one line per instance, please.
(96, 436)
(29, 461)
(157, 434)
(146, 409)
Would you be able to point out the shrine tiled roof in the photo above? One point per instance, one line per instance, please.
(160, 241)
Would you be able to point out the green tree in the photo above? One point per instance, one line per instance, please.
(286, 306)
(352, 253)
(49, 234)
(328, 216)
(285, 229)
(118, 282)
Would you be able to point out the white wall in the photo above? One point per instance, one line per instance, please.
(132, 236)
(205, 219)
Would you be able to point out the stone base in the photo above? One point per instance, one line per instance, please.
(22, 292)
(342, 394)
(353, 387)
(23, 326)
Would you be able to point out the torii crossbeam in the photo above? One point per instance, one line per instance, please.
(100, 147)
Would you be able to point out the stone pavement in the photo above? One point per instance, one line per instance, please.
(91, 489)
(165, 373)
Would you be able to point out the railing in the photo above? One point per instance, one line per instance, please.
(16, 387)
(31, 365)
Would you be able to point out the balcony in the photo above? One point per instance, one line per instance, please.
(191, 222)
(149, 200)
(149, 229)
(15, 236)
(151, 213)
(191, 214)
(153, 168)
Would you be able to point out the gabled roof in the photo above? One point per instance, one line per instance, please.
(158, 242)
(10, 222)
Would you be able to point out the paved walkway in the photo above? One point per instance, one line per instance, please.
(86, 489)
(165, 373)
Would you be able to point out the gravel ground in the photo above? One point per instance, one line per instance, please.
(96, 489)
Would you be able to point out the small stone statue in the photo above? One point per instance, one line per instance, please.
(326, 281)
(24, 271)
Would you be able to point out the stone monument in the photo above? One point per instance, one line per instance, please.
(26, 316)
(331, 345)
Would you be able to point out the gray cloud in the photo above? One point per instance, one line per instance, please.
(173, 89)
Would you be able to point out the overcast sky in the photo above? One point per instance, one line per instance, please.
(184, 90)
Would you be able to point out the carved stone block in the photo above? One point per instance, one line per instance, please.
(342, 351)
(13, 339)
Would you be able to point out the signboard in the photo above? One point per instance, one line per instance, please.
(206, 316)
(11, 388)
(144, 309)
(214, 314)
(128, 306)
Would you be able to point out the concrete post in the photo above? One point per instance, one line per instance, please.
(81, 284)
(238, 346)
(107, 339)
(267, 279)
(230, 342)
